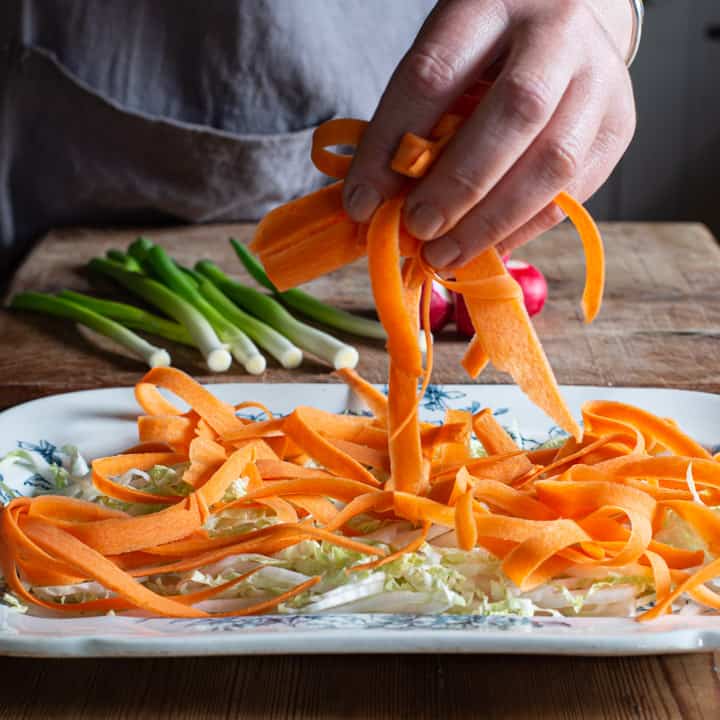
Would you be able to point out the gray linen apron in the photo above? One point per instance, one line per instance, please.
(145, 111)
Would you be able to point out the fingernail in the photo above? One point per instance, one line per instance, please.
(362, 202)
(424, 220)
(441, 252)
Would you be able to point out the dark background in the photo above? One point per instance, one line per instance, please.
(672, 169)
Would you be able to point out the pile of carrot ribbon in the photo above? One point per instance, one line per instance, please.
(593, 506)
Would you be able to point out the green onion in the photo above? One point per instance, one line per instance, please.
(129, 263)
(307, 304)
(271, 312)
(132, 317)
(242, 348)
(216, 355)
(139, 249)
(60, 307)
(287, 354)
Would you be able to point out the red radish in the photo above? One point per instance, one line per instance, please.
(462, 317)
(441, 307)
(532, 282)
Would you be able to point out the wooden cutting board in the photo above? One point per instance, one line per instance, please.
(659, 326)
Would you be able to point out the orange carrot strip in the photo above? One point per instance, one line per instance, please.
(318, 506)
(152, 401)
(214, 488)
(413, 546)
(651, 426)
(312, 255)
(305, 213)
(206, 456)
(465, 526)
(509, 500)
(92, 563)
(299, 426)
(491, 434)
(281, 470)
(121, 535)
(217, 414)
(418, 510)
(341, 540)
(339, 131)
(579, 498)
(510, 341)
(103, 468)
(260, 429)
(255, 404)
(705, 472)
(705, 521)
(457, 451)
(506, 468)
(449, 491)
(708, 572)
(361, 430)
(177, 431)
(371, 396)
(573, 457)
(378, 500)
(190, 546)
(266, 605)
(284, 511)
(594, 253)
(387, 284)
(475, 359)
(338, 488)
(62, 509)
(543, 456)
(527, 564)
(16, 549)
(362, 453)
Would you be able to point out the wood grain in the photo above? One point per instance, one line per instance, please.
(424, 687)
(660, 326)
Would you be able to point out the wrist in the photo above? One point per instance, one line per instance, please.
(618, 19)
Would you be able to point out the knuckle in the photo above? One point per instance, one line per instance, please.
(489, 229)
(527, 98)
(466, 183)
(430, 71)
(551, 216)
(560, 161)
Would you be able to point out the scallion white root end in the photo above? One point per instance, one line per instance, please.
(218, 360)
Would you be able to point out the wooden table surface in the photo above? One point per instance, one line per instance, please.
(660, 326)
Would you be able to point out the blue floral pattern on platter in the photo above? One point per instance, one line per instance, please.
(375, 621)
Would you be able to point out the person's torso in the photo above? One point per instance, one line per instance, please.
(134, 111)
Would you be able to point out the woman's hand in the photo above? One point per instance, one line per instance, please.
(559, 117)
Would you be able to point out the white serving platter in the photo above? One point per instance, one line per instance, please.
(102, 422)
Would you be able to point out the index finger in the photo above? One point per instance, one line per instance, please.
(458, 41)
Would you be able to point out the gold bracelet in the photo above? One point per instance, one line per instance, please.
(638, 10)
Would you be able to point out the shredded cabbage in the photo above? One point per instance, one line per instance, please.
(438, 578)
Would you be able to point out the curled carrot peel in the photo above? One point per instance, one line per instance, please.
(571, 512)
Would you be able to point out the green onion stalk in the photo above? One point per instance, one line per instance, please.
(309, 305)
(132, 317)
(62, 307)
(314, 341)
(241, 346)
(285, 352)
(203, 335)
